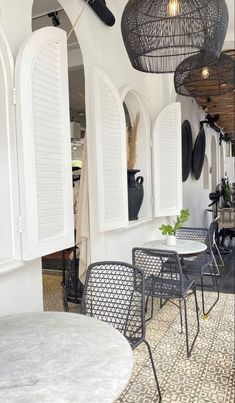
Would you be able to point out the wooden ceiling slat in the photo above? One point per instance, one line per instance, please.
(223, 105)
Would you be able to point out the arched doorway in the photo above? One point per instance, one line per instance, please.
(51, 13)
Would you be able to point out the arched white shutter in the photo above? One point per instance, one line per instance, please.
(43, 133)
(9, 205)
(167, 166)
(110, 153)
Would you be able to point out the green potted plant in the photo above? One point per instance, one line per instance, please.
(170, 230)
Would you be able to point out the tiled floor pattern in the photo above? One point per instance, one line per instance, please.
(205, 377)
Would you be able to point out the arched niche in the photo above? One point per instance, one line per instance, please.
(205, 173)
(214, 167)
(133, 105)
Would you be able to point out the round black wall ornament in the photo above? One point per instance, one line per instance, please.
(199, 154)
(187, 149)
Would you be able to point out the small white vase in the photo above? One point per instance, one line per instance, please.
(171, 240)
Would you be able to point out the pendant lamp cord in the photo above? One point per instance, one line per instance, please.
(79, 15)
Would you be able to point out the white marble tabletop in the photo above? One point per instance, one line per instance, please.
(58, 357)
(182, 247)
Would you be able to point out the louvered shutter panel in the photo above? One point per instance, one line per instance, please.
(43, 132)
(110, 150)
(9, 196)
(167, 162)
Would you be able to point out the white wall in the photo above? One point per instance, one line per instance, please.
(20, 288)
(195, 196)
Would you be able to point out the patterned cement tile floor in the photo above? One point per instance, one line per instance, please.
(206, 377)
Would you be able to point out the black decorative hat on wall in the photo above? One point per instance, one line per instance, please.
(214, 79)
(160, 34)
(199, 154)
(187, 148)
(100, 8)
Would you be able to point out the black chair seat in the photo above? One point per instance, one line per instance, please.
(197, 265)
(166, 288)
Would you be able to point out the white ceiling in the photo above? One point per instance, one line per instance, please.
(44, 6)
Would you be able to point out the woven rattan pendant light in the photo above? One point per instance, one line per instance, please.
(160, 34)
(215, 79)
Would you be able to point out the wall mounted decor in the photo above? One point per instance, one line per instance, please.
(100, 8)
(199, 154)
(214, 79)
(160, 34)
(187, 149)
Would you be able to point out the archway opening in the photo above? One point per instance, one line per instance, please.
(133, 107)
(66, 263)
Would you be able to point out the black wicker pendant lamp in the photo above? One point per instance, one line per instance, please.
(214, 79)
(160, 34)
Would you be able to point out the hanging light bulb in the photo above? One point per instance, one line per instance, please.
(173, 8)
(205, 73)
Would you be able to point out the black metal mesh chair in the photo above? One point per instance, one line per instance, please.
(114, 293)
(164, 279)
(203, 265)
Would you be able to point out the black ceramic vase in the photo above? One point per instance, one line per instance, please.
(135, 193)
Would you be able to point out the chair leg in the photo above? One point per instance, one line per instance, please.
(65, 300)
(146, 308)
(189, 349)
(181, 317)
(216, 265)
(154, 369)
(215, 283)
(219, 254)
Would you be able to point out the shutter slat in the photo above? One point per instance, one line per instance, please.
(167, 161)
(43, 115)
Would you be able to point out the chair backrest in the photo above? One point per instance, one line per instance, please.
(114, 293)
(162, 265)
(196, 234)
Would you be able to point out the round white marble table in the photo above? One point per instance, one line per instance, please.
(57, 357)
(183, 247)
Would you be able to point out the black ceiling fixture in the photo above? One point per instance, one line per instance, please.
(160, 34)
(54, 15)
(215, 79)
(100, 8)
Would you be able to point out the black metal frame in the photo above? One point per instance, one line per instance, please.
(164, 280)
(114, 292)
(198, 266)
